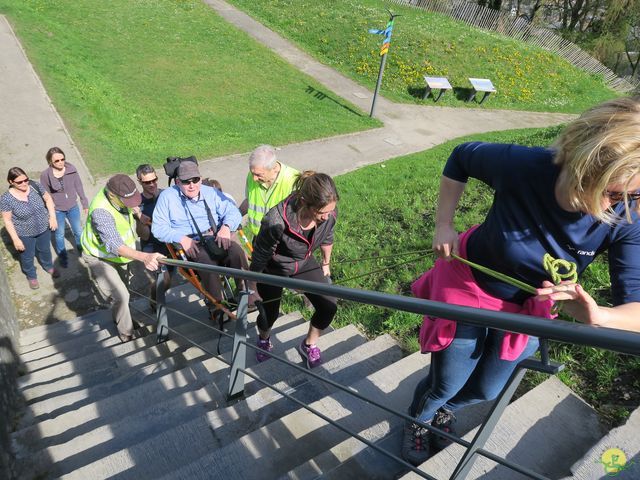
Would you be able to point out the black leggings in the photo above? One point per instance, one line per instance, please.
(326, 307)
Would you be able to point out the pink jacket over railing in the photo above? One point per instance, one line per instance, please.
(452, 282)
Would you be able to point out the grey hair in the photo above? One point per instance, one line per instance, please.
(263, 156)
(144, 169)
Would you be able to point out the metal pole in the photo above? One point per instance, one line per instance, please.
(239, 352)
(383, 60)
(162, 325)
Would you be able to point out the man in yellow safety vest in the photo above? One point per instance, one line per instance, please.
(268, 183)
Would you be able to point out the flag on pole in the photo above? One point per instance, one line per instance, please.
(387, 36)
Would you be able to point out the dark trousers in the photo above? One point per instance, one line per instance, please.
(211, 281)
(38, 246)
(325, 307)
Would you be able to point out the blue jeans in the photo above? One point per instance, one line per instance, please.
(466, 372)
(73, 216)
(39, 246)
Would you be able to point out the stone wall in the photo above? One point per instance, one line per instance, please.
(9, 363)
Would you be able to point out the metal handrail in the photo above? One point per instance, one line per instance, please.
(620, 341)
(610, 339)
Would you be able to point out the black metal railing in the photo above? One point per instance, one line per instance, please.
(606, 338)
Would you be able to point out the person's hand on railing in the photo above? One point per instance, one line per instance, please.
(150, 261)
(224, 237)
(445, 241)
(190, 246)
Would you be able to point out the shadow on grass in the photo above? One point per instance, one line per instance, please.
(320, 95)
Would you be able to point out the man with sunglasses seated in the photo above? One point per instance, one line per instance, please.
(201, 220)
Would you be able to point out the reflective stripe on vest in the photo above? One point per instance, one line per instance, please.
(92, 243)
(260, 201)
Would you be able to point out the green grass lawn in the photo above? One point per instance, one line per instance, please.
(387, 210)
(137, 81)
(335, 31)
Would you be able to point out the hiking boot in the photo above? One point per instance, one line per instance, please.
(310, 353)
(64, 259)
(265, 345)
(444, 420)
(54, 273)
(415, 444)
(33, 283)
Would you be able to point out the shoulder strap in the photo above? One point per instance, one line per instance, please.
(35, 186)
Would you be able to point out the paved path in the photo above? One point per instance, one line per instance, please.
(30, 125)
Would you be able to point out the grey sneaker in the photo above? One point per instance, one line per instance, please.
(444, 420)
(415, 444)
(311, 354)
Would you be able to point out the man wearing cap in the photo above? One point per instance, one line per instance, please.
(268, 183)
(109, 245)
(199, 218)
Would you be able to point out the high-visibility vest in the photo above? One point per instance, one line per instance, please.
(261, 200)
(91, 242)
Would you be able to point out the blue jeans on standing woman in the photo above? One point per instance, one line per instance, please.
(39, 246)
(466, 372)
(73, 216)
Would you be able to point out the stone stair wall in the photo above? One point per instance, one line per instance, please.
(9, 370)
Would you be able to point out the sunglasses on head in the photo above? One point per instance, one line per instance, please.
(149, 182)
(20, 182)
(190, 181)
(619, 196)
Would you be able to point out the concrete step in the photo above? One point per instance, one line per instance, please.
(346, 356)
(104, 356)
(547, 430)
(299, 436)
(624, 442)
(50, 398)
(105, 403)
(53, 397)
(45, 335)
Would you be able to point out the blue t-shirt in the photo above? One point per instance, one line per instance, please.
(525, 222)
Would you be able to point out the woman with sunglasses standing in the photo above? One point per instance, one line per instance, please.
(572, 201)
(29, 216)
(63, 182)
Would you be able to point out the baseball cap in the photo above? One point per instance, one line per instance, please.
(125, 189)
(187, 170)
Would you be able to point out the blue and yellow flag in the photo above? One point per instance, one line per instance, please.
(387, 36)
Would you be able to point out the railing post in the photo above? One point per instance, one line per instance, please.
(239, 352)
(162, 323)
(464, 466)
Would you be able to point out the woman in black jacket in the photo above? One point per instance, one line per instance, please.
(289, 234)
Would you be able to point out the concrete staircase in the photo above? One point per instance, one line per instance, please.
(96, 408)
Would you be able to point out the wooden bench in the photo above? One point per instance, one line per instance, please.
(440, 83)
(481, 85)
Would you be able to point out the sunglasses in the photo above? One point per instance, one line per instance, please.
(58, 160)
(190, 181)
(149, 182)
(20, 182)
(619, 196)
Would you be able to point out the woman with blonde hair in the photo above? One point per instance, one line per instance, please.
(572, 201)
(289, 234)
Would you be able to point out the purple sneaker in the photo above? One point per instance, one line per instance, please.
(263, 345)
(311, 354)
